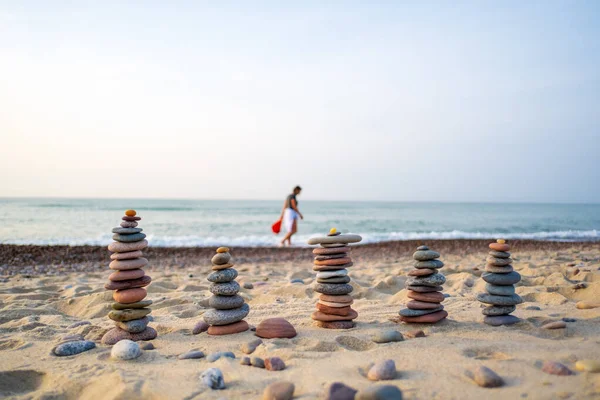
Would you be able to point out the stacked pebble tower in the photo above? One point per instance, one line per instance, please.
(228, 307)
(500, 279)
(130, 310)
(331, 261)
(425, 289)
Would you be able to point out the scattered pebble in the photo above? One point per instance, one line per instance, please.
(274, 364)
(200, 327)
(380, 392)
(213, 378)
(126, 350)
(415, 334)
(382, 371)
(578, 286)
(215, 356)
(257, 362)
(533, 308)
(585, 305)
(73, 347)
(555, 325)
(554, 368)
(281, 390)
(80, 323)
(248, 285)
(275, 328)
(297, 280)
(191, 355)
(339, 391)
(569, 319)
(587, 365)
(147, 346)
(248, 348)
(245, 361)
(388, 336)
(485, 377)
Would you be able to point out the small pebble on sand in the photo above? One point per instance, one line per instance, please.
(484, 377)
(213, 378)
(382, 371)
(125, 350)
(282, 390)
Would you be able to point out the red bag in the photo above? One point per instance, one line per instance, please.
(276, 227)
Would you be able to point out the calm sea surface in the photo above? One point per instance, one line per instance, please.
(247, 223)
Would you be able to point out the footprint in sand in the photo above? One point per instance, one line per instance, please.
(307, 344)
(354, 343)
(19, 382)
(484, 353)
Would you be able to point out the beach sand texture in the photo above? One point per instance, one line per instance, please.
(37, 310)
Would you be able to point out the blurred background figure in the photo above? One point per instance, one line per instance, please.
(289, 216)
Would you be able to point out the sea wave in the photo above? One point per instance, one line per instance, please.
(300, 240)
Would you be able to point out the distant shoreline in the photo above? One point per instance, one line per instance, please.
(33, 259)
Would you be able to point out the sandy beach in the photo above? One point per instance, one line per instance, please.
(50, 292)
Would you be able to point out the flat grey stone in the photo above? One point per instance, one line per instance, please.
(136, 237)
(499, 254)
(333, 288)
(407, 312)
(422, 248)
(429, 280)
(213, 378)
(498, 262)
(499, 270)
(133, 326)
(501, 279)
(223, 276)
(191, 355)
(499, 300)
(341, 239)
(387, 336)
(500, 290)
(424, 289)
(126, 231)
(225, 289)
(212, 357)
(498, 310)
(337, 279)
(425, 255)
(431, 264)
(225, 302)
(226, 317)
(379, 392)
(501, 320)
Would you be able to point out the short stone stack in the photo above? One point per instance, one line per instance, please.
(500, 279)
(425, 289)
(331, 261)
(229, 308)
(130, 310)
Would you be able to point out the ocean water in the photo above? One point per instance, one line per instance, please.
(248, 223)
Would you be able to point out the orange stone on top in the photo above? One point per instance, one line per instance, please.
(130, 213)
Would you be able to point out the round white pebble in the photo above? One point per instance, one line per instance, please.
(126, 350)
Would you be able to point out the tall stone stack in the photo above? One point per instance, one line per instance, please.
(331, 261)
(228, 308)
(500, 280)
(130, 310)
(425, 289)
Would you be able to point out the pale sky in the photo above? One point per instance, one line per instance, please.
(408, 101)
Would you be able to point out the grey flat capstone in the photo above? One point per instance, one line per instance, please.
(226, 317)
(136, 237)
(225, 302)
(341, 239)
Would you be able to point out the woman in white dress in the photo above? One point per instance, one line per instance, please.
(290, 215)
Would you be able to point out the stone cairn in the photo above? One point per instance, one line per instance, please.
(425, 289)
(228, 308)
(130, 310)
(331, 261)
(500, 279)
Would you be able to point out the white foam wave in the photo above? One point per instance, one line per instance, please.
(300, 240)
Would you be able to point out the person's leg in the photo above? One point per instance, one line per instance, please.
(294, 230)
